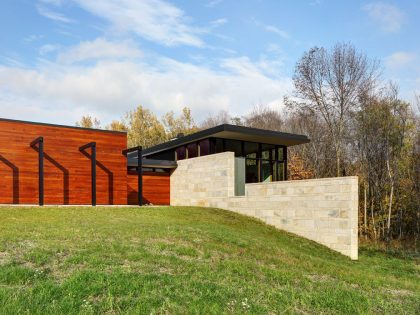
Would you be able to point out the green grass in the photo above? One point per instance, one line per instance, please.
(179, 260)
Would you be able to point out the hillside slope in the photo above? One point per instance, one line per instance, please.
(179, 260)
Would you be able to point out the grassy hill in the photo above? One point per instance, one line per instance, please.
(177, 260)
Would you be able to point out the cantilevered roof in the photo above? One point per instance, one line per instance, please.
(227, 131)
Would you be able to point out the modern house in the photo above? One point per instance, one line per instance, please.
(231, 167)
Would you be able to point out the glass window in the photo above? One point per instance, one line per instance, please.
(234, 146)
(280, 171)
(266, 171)
(204, 147)
(192, 150)
(281, 155)
(218, 145)
(251, 149)
(251, 171)
(267, 150)
(180, 153)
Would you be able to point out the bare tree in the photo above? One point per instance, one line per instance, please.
(328, 83)
(222, 117)
(264, 117)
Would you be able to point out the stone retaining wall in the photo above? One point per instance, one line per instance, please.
(322, 210)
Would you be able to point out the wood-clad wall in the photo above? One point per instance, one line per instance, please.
(156, 188)
(67, 170)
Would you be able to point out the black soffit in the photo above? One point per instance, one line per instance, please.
(232, 132)
(149, 163)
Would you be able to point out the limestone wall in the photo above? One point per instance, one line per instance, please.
(323, 210)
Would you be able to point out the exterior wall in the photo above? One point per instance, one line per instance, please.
(156, 188)
(323, 210)
(67, 171)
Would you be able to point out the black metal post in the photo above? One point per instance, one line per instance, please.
(41, 171)
(140, 175)
(82, 149)
(285, 162)
(259, 162)
(40, 142)
(139, 171)
(93, 160)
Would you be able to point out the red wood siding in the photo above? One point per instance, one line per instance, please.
(156, 188)
(67, 171)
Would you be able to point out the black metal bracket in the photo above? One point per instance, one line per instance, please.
(92, 156)
(38, 145)
(139, 171)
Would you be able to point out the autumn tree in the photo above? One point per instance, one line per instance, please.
(88, 121)
(184, 123)
(328, 83)
(116, 125)
(144, 128)
(383, 140)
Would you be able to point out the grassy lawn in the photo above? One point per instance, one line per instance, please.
(175, 260)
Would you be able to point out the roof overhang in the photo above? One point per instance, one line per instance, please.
(132, 162)
(235, 133)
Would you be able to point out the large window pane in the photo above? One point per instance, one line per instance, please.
(251, 149)
(251, 171)
(267, 150)
(266, 171)
(218, 145)
(204, 147)
(192, 150)
(280, 171)
(234, 146)
(180, 153)
(280, 152)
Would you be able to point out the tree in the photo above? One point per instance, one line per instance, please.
(263, 117)
(220, 118)
(144, 128)
(329, 83)
(384, 139)
(116, 125)
(176, 125)
(89, 122)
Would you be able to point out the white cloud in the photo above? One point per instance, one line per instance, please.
(99, 48)
(53, 15)
(276, 30)
(48, 48)
(399, 60)
(33, 38)
(213, 3)
(219, 22)
(272, 29)
(155, 20)
(389, 17)
(62, 93)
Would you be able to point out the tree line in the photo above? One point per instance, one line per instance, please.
(358, 126)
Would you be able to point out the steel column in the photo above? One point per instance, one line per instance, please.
(92, 146)
(40, 142)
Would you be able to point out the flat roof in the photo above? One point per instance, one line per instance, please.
(233, 132)
(56, 125)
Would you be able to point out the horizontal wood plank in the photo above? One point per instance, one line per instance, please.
(67, 171)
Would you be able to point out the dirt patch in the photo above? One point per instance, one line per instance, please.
(399, 293)
(4, 258)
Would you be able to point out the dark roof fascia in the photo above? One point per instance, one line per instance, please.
(132, 162)
(61, 126)
(214, 130)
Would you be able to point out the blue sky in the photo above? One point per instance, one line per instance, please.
(61, 59)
